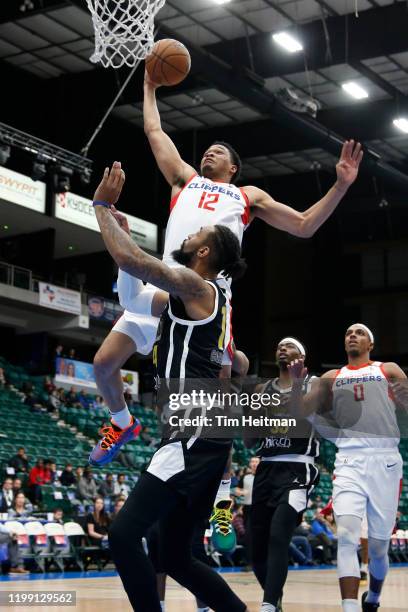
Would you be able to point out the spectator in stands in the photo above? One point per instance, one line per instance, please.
(49, 386)
(7, 495)
(51, 466)
(72, 354)
(317, 502)
(99, 402)
(119, 503)
(87, 488)
(84, 399)
(59, 351)
(322, 535)
(67, 478)
(37, 477)
(14, 555)
(238, 524)
(79, 473)
(107, 488)
(98, 522)
(17, 486)
(21, 507)
(71, 399)
(33, 402)
(121, 488)
(19, 462)
(54, 402)
(58, 516)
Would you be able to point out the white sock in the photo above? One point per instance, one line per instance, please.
(224, 491)
(373, 597)
(350, 605)
(267, 607)
(123, 418)
(364, 567)
(163, 606)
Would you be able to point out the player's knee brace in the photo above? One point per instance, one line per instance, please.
(378, 555)
(348, 537)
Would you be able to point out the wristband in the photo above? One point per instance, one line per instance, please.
(101, 203)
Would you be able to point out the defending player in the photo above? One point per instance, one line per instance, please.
(360, 405)
(181, 481)
(283, 482)
(197, 200)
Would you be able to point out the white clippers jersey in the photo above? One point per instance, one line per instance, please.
(204, 202)
(363, 408)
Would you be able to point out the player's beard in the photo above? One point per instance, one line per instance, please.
(182, 257)
(354, 352)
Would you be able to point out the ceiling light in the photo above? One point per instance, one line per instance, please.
(402, 124)
(287, 42)
(355, 90)
(4, 154)
(61, 178)
(39, 168)
(221, 1)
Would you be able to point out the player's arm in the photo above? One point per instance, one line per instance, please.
(398, 384)
(174, 169)
(305, 224)
(317, 400)
(181, 282)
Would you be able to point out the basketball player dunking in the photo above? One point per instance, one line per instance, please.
(208, 198)
(181, 481)
(362, 396)
(283, 482)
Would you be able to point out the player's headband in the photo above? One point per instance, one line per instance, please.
(369, 332)
(296, 343)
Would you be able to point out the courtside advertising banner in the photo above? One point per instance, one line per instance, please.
(59, 298)
(75, 209)
(21, 190)
(70, 372)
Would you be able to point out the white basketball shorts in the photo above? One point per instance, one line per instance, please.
(368, 481)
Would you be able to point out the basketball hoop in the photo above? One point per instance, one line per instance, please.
(124, 30)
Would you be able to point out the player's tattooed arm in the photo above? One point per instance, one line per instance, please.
(305, 224)
(176, 171)
(130, 258)
(398, 383)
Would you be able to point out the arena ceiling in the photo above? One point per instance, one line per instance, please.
(55, 39)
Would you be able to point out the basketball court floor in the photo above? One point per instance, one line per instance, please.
(306, 591)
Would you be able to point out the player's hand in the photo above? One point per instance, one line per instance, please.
(297, 370)
(349, 163)
(121, 219)
(111, 185)
(149, 81)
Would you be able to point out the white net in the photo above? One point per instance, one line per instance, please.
(124, 30)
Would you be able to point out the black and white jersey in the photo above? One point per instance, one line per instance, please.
(303, 440)
(186, 348)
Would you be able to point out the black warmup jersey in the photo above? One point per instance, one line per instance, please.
(186, 348)
(279, 443)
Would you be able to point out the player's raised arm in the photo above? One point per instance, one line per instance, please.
(305, 224)
(174, 169)
(129, 257)
(318, 399)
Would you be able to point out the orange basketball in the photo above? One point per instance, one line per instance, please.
(169, 62)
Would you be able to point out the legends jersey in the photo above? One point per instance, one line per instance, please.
(191, 349)
(364, 409)
(204, 202)
(280, 442)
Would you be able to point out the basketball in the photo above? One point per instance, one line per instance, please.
(169, 62)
